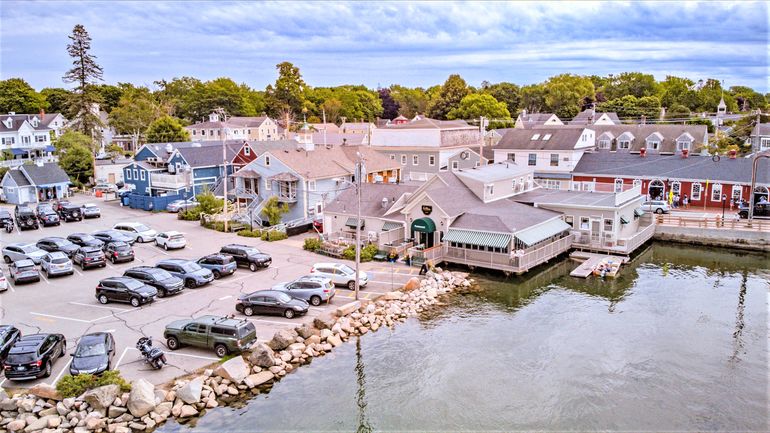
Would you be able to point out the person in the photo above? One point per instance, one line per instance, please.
(676, 201)
(424, 268)
(686, 201)
(408, 260)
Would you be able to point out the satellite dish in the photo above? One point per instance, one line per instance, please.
(464, 155)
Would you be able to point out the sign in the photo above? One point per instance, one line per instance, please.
(426, 210)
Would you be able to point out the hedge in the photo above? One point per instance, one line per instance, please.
(73, 386)
(256, 233)
(312, 244)
(367, 253)
(274, 235)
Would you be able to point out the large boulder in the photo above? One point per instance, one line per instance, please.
(141, 400)
(234, 370)
(348, 308)
(101, 398)
(335, 340)
(257, 379)
(262, 356)
(191, 392)
(393, 296)
(413, 283)
(282, 339)
(304, 331)
(324, 322)
(45, 391)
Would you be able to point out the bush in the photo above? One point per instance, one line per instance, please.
(312, 244)
(367, 253)
(256, 233)
(73, 386)
(274, 235)
(192, 214)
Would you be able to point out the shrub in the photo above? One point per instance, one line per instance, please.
(312, 244)
(349, 253)
(367, 253)
(73, 386)
(192, 214)
(256, 233)
(274, 235)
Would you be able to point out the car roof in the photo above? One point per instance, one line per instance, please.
(89, 204)
(94, 336)
(172, 233)
(6, 328)
(89, 248)
(130, 224)
(215, 255)
(23, 263)
(220, 321)
(79, 234)
(118, 243)
(315, 278)
(328, 264)
(265, 292)
(19, 244)
(118, 279)
(52, 238)
(57, 254)
(175, 260)
(27, 342)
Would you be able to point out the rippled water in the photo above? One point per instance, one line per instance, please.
(677, 342)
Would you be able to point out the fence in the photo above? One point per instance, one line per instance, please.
(149, 203)
(715, 222)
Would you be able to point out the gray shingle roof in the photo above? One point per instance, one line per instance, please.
(561, 139)
(47, 174)
(371, 199)
(588, 117)
(560, 197)
(504, 216)
(18, 177)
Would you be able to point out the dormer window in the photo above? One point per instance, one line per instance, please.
(604, 143)
(247, 151)
(624, 144)
(536, 136)
(8, 122)
(546, 137)
(653, 144)
(682, 145)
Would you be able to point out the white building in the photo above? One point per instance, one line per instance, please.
(26, 137)
(260, 128)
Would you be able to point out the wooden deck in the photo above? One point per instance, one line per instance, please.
(589, 262)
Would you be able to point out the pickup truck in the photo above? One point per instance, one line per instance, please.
(222, 334)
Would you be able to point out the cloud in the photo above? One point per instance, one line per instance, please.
(372, 43)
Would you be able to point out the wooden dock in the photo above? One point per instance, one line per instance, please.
(590, 261)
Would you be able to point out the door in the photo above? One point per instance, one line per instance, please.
(595, 231)
(111, 178)
(121, 293)
(271, 305)
(194, 334)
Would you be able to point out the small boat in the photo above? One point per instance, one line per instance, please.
(607, 268)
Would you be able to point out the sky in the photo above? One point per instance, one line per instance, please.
(382, 43)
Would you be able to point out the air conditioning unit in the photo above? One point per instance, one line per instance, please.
(379, 178)
(171, 169)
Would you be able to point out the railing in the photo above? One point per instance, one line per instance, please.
(419, 254)
(715, 222)
(629, 194)
(393, 236)
(17, 162)
(516, 262)
(542, 254)
(631, 244)
(173, 181)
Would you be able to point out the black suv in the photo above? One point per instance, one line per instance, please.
(89, 257)
(124, 289)
(70, 212)
(32, 356)
(247, 256)
(25, 218)
(48, 217)
(166, 283)
(5, 218)
(85, 240)
(8, 336)
(760, 210)
(52, 244)
(118, 252)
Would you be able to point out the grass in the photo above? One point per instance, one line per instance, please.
(73, 386)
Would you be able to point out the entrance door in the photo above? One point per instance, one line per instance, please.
(657, 190)
(111, 178)
(595, 231)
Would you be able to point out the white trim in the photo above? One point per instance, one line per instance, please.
(714, 188)
(693, 195)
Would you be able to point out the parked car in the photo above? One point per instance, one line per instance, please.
(3, 282)
(138, 231)
(5, 219)
(223, 334)
(48, 217)
(271, 302)
(124, 289)
(170, 240)
(89, 257)
(85, 240)
(43, 207)
(51, 244)
(311, 288)
(118, 252)
(113, 236)
(56, 264)
(91, 210)
(32, 356)
(219, 264)
(93, 354)
(177, 205)
(22, 251)
(247, 256)
(657, 206)
(9, 334)
(23, 271)
(761, 210)
(25, 218)
(59, 204)
(190, 272)
(164, 282)
(318, 224)
(105, 187)
(70, 212)
(340, 274)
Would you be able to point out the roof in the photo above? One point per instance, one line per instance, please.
(559, 138)
(504, 216)
(209, 155)
(701, 168)
(323, 162)
(49, 173)
(284, 177)
(762, 129)
(19, 119)
(232, 121)
(371, 199)
(18, 177)
(147, 166)
(566, 198)
(589, 117)
(494, 172)
(669, 132)
(427, 123)
(334, 138)
(113, 161)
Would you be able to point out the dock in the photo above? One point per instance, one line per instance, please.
(590, 261)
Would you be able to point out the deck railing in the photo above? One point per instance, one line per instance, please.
(419, 254)
(517, 262)
(715, 222)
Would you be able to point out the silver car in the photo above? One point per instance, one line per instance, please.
(90, 210)
(20, 251)
(138, 231)
(310, 288)
(56, 264)
(340, 274)
(177, 205)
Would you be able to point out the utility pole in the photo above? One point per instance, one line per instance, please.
(324, 114)
(359, 172)
(221, 112)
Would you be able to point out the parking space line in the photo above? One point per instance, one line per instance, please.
(58, 376)
(61, 317)
(121, 358)
(2, 382)
(44, 278)
(79, 273)
(108, 264)
(101, 306)
(271, 321)
(225, 297)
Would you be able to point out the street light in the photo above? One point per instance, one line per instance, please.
(359, 173)
(724, 202)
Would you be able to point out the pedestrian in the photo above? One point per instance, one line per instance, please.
(676, 201)
(424, 268)
(686, 202)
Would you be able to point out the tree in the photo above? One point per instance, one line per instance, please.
(533, 98)
(389, 105)
(111, 95)
(508, 93)
(449, 97)
(77, 163)
(287, 94)
(72, 139)
(633, 107)
(332, 107)
(678, 111)
(747, 98)
(410, 101)
(166, 129)
(84, 74)
(676, 90)
(709, 95)
(19, 97)
(478, 104)
(173, 96)
(274, 210)
(134, 113)
(635, 84)
(566, 94)
(57, 99)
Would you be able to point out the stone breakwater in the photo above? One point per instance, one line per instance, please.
(107, 409)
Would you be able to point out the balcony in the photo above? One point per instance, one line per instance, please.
(169, 181)
(17, 162)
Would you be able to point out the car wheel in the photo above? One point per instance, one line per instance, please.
(7, 259)
(135, 302)
(47, 369)
(351, 285)
(315, 301)
(103, 299)
(248, 311)
(165, 247)
(63, 348)
(103, 265)
(217, 275)
(112, 259)
(658, 211)
(289, 314)
(253, 267)
(190, 284)
(140, 240)
(161, 293)
(172, 343)
(220, 350)
(156, 243)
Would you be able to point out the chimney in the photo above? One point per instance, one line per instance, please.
(384, 202)
(643, 152)
(169, 148)
(42, 113)
(732, 153)
(644, 119)
(685, 153)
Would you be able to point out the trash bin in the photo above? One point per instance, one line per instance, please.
(98, 193)
(126, 201)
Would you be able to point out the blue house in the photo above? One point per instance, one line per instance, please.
(30, 183)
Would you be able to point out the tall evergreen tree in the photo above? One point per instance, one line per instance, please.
(389, 105)
(85, 73)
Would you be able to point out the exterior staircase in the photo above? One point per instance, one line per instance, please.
(250, 214)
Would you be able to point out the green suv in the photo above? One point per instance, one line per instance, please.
(223, 334)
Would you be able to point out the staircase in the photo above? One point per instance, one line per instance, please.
(250, 214)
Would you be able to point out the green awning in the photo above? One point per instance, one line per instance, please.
(424, 225)
(540, 232)
(390, 225)
(638, 212)
(483, 239)
(623, 220)
(351, 222)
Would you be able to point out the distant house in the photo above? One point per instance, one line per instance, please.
(260, 128)
(31, 183)
(760, 138)
(357, 127)
(27, 138)
(653, 138)
(532, 120)
(110, 170)
(591, 117)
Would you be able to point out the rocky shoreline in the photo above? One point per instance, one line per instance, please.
(145, 407)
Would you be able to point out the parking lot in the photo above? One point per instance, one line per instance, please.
(67, 304)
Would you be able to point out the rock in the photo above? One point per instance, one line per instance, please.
(93, 423)
(313, 339)
(282, 339)
(262, 355)
(122, 429)
(255, 380)
(363, 329)
(348, 308)
(285, 356)
(46, 391)
(160, 395)
(234, 369)
(323, 322)
(137, 426)
(375, 326)
(150, 424)
(141, 400)
(54, 422)
(27, 404)
(334, 340)
(81, 429)
(327, 347)
(8, 404)
(210, 403)
(102, 397)
(413, 283)
(296, 346)
(326, 333)
(115, 411)
(431, 292)
(38, 424)
(177, 409)
(171, 396)
(208, 372)
(191, 392)
(61, 409)
(187, 411)
(164, 409)
(305, 331)
(17, 425)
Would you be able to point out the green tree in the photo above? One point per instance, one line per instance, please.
(166, 129)
(77, 163)
(478, 104)
(508, 93)
(710, 93)
(633, 107)
(71, 139)
(287, 95)
(678, 111)
(85, 73)
(57, 99)
(676, 90)
(134, 113)
(173, 96)
(635, 84)
(533, 98)
(567, 94)
(332, 107)
(274, 210)
(449, 96)
(19, 97)
(110, 95)
(410, 101)
(747, 98)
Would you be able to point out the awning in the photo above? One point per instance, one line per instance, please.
(19, 151)
(246, 173)
(623, 220)
(50, 149)
(424, 225)
(390, 225)
(351, 222)
(482, 239)
(638, 212)
(533, 235)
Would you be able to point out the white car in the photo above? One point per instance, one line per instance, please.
(140, 232)
(22, 251)
(657, 206)
(170, 240)
(340, 274)
(3, 282)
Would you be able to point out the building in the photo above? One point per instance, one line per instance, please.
(591, 117)
(260, 128)
(27, 138)
(532, 120)
(110, 170)
(651, 138)
(30, 183)
(760, 138)
(357, 127)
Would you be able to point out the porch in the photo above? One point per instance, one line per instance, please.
(518, 262)
(624, 246)
(169, 181)
(286, 187)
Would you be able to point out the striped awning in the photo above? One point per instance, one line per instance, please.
(351, 222)
(482, 239)
(623, 220)
(390, 225)
(638, 212)
(540, 232)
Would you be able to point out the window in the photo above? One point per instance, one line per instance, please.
(128, 174)
(682, 145)
(547, 137)
(247, 151)
(136, 174)
(695, 191)
(764, 143)
(9, 140)
(619, 185)
(608, 223)
(676, 187)
(392, 157)
(267, 160)
(653, 145)
(415, 160)
(194, 131)
(536, 136)
(490, 190)
(431, 160)
(569, 219)
(737, 192)
(624, 144)
(554, 160)
(40, 138)
(477, 164)
(585, 223)
(716, 192)
(511, 157)
(604, 144)
(142, 174)
(403, 159)
(637, 182)
(311, 185)
(455, 165)
(532, 159)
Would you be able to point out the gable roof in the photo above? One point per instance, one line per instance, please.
(247, 122)
(522, 139)
(589, 117)
(428, 123)
(17, 120)
(371, 199)
(669, 133)
(334, 161)
(18, 177)
(49, 173)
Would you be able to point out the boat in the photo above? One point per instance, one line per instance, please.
(607, 267)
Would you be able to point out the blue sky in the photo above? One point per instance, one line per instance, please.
(379, 43)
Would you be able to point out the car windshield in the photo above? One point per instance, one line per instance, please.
(251, 251)
(191, 267)
(159, 274)
(346, 269)
(121, 246)
(283, 297)
(91, 349)
(141, 228)
(94, 253)
(133, 284)
(21, 358)
(62, 242)
(246, 329)
(29, 248)
(25, 268)
(176, 237)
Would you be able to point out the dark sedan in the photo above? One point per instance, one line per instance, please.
(53, 244)
(164, 282)
(113, 236)
(48, 217)
(94, 354)
(271, 302)
(85, 240)
(33, 356)
(89, 257)
(118, 252)
(124, 289)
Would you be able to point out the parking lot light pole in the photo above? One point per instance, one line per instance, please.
(724, 202)
(359, 171)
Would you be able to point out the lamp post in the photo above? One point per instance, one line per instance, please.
(754, 165)
(221, 111)
(724, 202)
(359, 174)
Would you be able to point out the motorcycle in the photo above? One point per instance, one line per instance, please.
(152, 355)
(8, 226)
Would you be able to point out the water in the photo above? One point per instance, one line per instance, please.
(677, 342)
